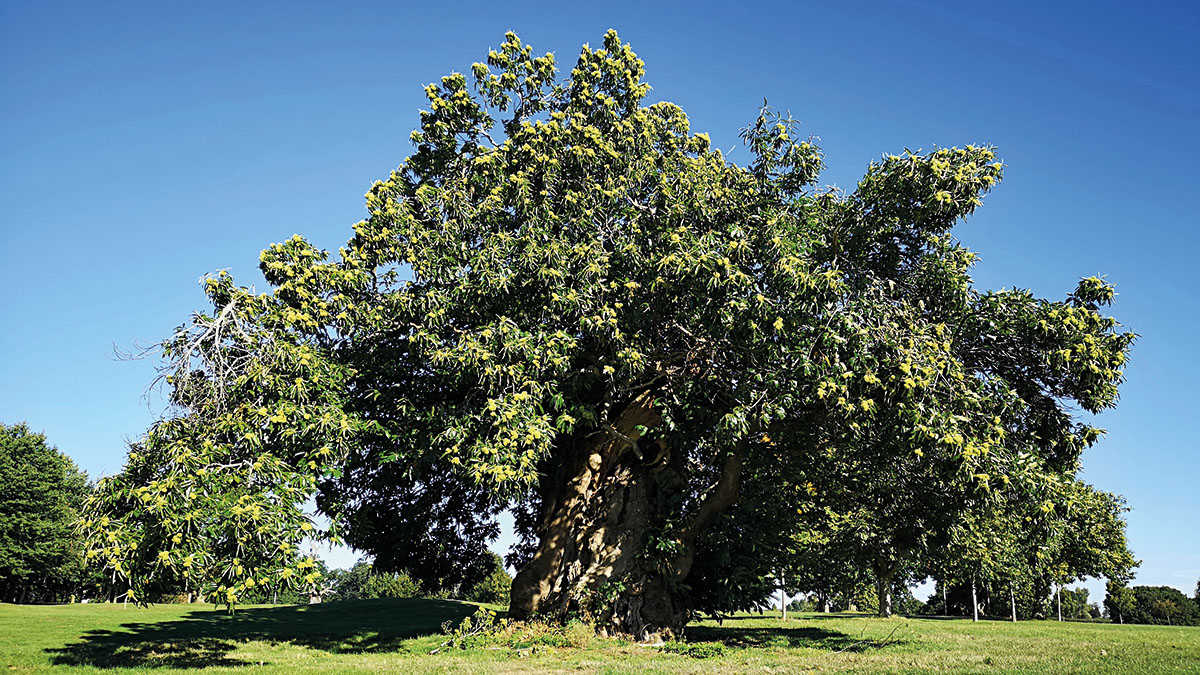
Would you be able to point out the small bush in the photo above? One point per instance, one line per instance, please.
(397, 585)
(483, 629)
(478, 630)
(696, 650)
(579, 634)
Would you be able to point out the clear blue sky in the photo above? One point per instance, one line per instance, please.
(143, 145)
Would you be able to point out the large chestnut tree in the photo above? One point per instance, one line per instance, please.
(567, 303)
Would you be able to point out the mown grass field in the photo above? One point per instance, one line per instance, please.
(397, 636)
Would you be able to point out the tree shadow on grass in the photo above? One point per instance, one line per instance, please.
(734, 633)
(205, 638)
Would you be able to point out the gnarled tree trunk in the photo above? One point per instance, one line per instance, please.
(613, 493)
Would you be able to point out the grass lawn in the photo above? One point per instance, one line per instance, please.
(397, 636)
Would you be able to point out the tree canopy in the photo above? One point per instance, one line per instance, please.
(41, 493)
(567, 303)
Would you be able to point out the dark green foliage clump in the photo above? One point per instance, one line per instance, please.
(393, 585)
(1162, 605)
(494, 588)
(41, 492)
(365, 582)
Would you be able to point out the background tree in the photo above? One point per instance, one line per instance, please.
(1162, 605)
(494, 588)
(348, 584)
(1088, 538)
(434, 528)
(390, 585)
(612, 329)
(41, 492)
(1076, 605)
(1119, 600)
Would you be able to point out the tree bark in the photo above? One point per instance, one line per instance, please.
(1059, 596)
(782, 599)
(597, 517)
(883, 586)
(974, 601)
(1012, 595)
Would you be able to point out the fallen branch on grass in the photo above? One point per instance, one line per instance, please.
(871, 644)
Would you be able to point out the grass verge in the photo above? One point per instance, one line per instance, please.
(398, 635)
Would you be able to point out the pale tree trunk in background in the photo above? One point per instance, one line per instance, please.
(1059, 596)
(974, 601)
(1012, 594)
(945, 602)
(885, 599)
(782, 599)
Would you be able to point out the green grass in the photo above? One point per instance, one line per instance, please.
(397, 635)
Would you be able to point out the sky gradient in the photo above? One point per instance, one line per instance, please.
(144, 145)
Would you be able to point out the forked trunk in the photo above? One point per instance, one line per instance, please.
(613, 493)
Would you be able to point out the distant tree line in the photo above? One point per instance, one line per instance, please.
(1161, 605)
(363, 581)
(862, 549)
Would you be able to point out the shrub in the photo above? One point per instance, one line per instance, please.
(396, 585)
(484, 629)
